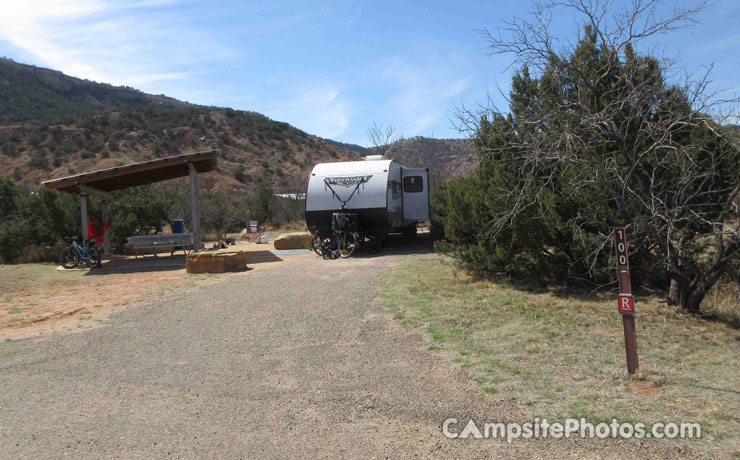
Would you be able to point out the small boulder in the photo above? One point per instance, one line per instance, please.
(294, 240)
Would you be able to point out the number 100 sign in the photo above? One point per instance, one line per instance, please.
(626, 302)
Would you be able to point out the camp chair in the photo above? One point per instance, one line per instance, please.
(254, 231)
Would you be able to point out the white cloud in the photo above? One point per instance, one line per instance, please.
(322, 111)
(123, 43)
(423, 93)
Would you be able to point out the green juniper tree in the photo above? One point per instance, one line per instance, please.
(596, 137)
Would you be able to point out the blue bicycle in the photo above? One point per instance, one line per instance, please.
(71, 256)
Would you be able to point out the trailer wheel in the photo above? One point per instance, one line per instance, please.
(374, 243)
(409, 232)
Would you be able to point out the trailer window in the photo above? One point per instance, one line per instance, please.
(413, 184)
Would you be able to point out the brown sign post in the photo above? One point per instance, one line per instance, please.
(625, 301)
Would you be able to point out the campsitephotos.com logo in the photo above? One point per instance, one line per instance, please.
(452, 428)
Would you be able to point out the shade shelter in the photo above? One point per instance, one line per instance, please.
(146, 172)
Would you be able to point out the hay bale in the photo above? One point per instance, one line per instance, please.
(294, 240)
(216, 262)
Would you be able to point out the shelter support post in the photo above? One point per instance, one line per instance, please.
(194, 207)
(106, 241)
(83, 216)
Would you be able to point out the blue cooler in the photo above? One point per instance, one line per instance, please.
(178, 226)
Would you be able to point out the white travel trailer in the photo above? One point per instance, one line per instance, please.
(385, 196)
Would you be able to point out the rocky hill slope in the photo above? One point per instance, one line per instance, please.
(445, 158)
(54, 125)
(251, 146)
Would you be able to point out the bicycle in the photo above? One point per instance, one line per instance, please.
(341, 241)
(71, 256)
(318, 242)
(344, 226)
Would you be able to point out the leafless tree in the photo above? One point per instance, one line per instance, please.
(381, 137)
(621, 129)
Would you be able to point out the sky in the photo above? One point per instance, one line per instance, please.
(329, 68)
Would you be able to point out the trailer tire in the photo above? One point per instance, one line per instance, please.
(375, 243)
(409, 232)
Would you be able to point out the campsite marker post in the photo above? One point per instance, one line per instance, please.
(625, 301)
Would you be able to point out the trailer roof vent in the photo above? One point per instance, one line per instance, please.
(374, 157)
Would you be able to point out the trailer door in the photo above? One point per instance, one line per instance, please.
(415, 183)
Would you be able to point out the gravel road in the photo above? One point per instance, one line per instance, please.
(295, 360)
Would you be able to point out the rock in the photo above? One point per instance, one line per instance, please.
(216, 262)
(294, 240)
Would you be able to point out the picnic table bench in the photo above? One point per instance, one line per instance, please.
(174, 241)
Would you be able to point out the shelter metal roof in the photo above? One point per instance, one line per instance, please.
(131, 175)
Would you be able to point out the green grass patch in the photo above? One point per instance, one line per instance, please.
(411, 320)
(435, 334)
(23, 275)
(14, 312)
(564, 355)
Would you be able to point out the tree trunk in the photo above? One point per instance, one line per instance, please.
(692, 298)
(692, 301)
(677, 287)
(674, 293)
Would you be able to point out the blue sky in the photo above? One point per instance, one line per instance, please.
(329, 68)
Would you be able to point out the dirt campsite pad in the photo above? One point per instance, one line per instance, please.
(39, 299)
(303, 361)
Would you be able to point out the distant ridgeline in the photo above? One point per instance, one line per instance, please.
(33, 93)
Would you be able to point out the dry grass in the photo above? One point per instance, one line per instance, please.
(723, 302)
(564, 356)
(288, 227)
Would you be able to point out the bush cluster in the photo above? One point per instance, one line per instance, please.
(32, 222)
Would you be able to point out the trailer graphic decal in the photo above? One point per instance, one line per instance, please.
(346, 182)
